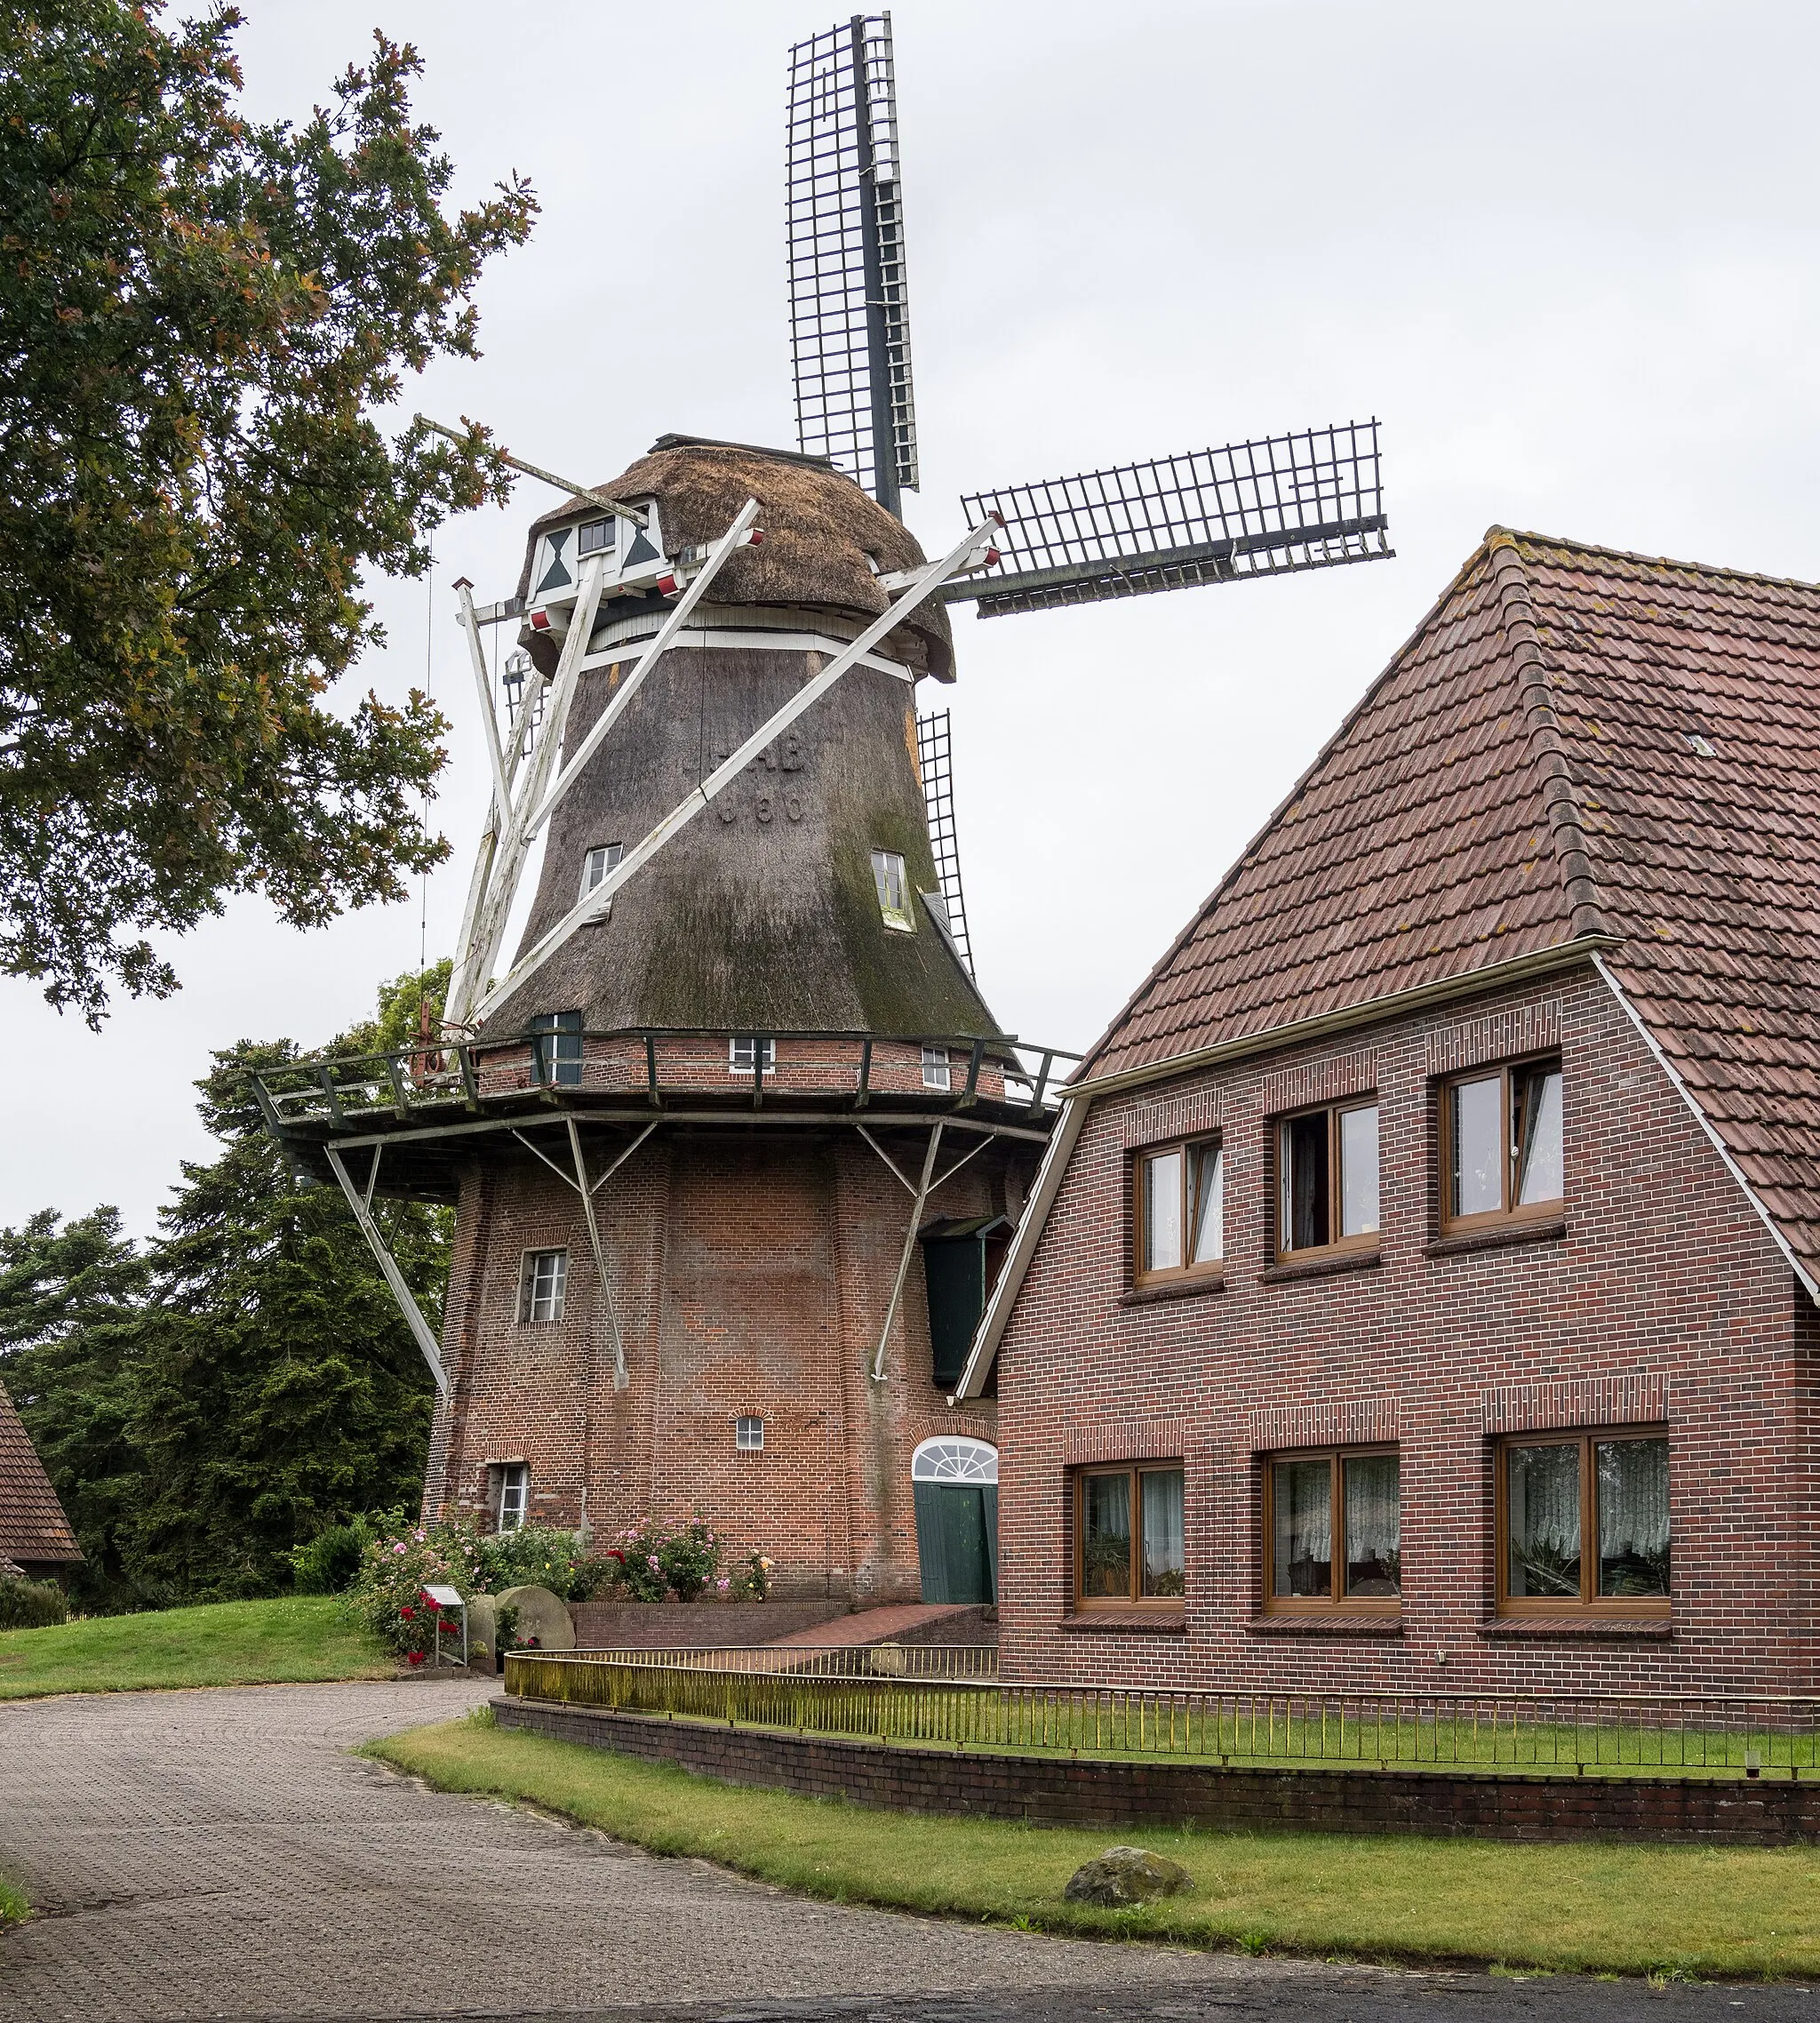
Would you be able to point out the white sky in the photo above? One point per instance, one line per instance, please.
(1565, 252)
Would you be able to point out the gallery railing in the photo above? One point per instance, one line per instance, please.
(852, 1694)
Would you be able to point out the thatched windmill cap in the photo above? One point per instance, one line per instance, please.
(825, 542)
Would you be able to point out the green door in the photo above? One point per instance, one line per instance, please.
(956, 1541)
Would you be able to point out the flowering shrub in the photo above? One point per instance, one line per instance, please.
(655, 1562)
(387, 1594)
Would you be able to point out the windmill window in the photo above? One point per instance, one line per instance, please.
(511, 1496)
(936, 1072)
(1128, 1538)
(1502, 1145)
(599, 860)
(962, 1260)
(596, 537)
(1333, 1531)
(893, 891)
(1327, 1167)
(1179, 1210)
(555, 1049)
(1556, 1497)
(748, 1434)
(543, 1286)
(752, 1056)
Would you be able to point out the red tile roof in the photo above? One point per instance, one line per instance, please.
(1574, 742)
(33, 1528)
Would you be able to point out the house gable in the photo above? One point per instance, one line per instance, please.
(34, 1531)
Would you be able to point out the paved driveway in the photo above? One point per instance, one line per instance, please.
(219, 1855)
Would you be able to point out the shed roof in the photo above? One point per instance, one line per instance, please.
(1574, 742)
(33, 1528)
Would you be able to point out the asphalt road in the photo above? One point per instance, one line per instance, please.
(220, 1855)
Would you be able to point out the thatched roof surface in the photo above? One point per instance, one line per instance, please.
(822, 535)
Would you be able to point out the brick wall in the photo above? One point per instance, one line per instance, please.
(1051, 1793)
(751, 1273)
(1664, 1298)
(677, 1625)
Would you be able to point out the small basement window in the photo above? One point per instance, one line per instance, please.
(893, 891)
(1327, 1167)
(555, 1049)
(752, 1056)
(512, 1497)
(748, 1434)
(1501, 1131)
(543, 1286)
(597, 863)
(937, 1073)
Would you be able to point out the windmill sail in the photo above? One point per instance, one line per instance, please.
(849, 328)
(935, 764)
(1284, 502)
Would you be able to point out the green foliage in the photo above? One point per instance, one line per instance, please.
(202, 320)
(659, 1562)
(387, 1595)
(31, 1604)
(328, 1563)
(14, 1905)
(240, 1386)
(534, 1557)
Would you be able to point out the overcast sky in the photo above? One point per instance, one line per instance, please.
(1566, 253)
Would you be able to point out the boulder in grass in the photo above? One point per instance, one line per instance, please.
(540, 1615)
(1124, 1875)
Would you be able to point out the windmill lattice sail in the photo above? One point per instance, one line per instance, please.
(935, 763)
(1284, 502)
(850, 327)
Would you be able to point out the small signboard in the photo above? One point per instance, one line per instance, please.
(448, 1598)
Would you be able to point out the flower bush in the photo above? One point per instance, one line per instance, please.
(657, 1562)
(387, 1594)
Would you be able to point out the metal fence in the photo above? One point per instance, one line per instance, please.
(858, 1694)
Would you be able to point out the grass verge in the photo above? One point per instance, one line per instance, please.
(12, 1905)
(1731, 1913)
(228, 1643)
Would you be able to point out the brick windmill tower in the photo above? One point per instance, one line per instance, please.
(735, 1141)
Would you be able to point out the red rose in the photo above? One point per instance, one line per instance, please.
(617, 1556)
(414, 1657)
(407, 1613)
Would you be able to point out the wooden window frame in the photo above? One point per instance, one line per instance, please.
(527, 1284)
(1591, 1603)
(1336, 1602)
(1133, 1472)
(1452, 1224)
(1335, 1246)
(900, 919)
(1173, 1274)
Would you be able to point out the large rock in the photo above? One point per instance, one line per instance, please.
(482, 1627)
(1127, 1875)
(540, 1615)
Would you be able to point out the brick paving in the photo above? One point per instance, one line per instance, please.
(219, 1855)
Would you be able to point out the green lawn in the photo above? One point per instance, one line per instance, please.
(1626, 1908)
(229, 1643)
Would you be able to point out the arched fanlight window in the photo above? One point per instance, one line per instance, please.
(954, 1460)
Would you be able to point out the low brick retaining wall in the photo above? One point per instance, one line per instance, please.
(695, 1626)
(1050, 1792)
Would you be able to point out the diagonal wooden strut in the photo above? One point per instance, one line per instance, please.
(394, 1278)
(922, 1194)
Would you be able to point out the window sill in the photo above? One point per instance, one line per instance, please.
(1549, 1231)
(1146, 1622)
(1174, 1289)
(1657, 1630)
(1323, 1266)
(1338, 1623)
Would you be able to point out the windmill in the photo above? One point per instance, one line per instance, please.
(741, 1011)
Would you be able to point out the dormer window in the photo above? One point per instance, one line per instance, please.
(893, 891)
(596, 537)
(597, 863)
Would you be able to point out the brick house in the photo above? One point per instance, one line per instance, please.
(34, 1535)
(1419, 1289)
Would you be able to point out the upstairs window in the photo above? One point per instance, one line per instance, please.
(1327, 1162)
(1501, 1144)
(1180, 1210)
(748, 1434)
(597, 863)
(555, 1049)
(752, 1056)
(893, 891)
(937, 1073)
(543, 1286)
(512, 1500)
(596, 537)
